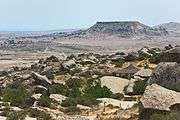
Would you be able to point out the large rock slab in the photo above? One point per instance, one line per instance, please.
(167, 75)
(115, 84)
(159, 98)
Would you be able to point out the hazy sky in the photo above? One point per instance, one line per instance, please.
(66, 14)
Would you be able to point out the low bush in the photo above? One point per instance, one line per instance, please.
(58, 89)
(17, 96)
(74, 92)
(96, 91)
(44, 101)
(139, 87)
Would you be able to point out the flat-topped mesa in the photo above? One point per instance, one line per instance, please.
(126, 28)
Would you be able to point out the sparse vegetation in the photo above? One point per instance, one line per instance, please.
(58, 89)
(97, 91)
(139, 87)
(44, 101)
(16, 96)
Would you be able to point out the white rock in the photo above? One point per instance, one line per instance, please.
(117, 103)
(36, 96)
(30, 118)
(57, 97)
(2, 118)
(115, 84)
(144, 73)
(159, 98)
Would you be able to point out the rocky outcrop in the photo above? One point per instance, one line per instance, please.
(167, 75)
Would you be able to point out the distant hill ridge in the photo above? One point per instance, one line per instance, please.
(126, 28)
(173, 27)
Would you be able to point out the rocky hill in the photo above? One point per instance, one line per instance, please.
(126, 28)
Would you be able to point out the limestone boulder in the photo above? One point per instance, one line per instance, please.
(159, 98)
(115, 84)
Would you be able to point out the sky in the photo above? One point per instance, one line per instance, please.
(38, 15)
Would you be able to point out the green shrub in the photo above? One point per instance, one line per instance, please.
(58, 89)
(74, 83)
(44, 101)
(97, 91)
(139, 87)
(16, 96)
(74, 92)
(40, 115)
